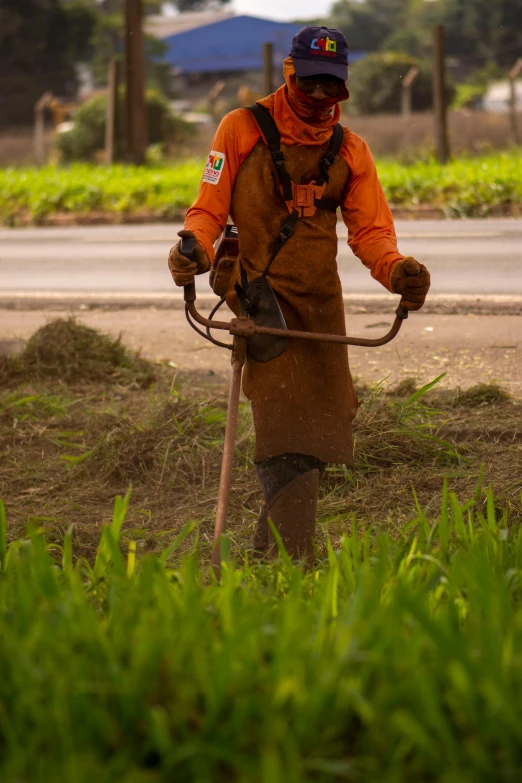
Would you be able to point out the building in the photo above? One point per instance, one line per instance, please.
(223, 44)
(498, 96)
(171, 24)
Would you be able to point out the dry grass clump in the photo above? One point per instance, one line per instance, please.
(67, 451)
(10, 371)
(65, 350)
(481, 394)
(67, 459)
(178, 439)
(404, 388)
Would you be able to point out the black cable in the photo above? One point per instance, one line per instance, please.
(205, 336)
(211, 316)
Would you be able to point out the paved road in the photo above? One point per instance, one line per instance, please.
(464, 257)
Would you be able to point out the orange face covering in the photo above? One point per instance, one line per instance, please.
(299, 118)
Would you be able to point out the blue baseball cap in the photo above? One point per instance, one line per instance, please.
(320, 50)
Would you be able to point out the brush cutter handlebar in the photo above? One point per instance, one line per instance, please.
(187, 249)
(245, 327)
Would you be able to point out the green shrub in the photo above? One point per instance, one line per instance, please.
(88, 134)
(376, 83)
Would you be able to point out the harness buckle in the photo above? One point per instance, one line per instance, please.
(329, 159)
(304, 198)
(286, 232)
(279, 158)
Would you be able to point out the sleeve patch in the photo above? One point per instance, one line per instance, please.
(214, 167)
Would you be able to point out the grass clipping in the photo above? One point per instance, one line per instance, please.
(68, 351)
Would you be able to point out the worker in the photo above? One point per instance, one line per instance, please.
(280, 169)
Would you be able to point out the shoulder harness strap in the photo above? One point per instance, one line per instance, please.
(336, 142)
(269, 130)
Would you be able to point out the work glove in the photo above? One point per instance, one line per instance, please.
(181, 268)
(412, 281)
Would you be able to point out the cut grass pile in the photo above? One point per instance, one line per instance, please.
(65, 350)
(464, 187)
(397, 659)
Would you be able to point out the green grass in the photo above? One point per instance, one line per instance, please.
(465, 187)
(398, 659)
(82, 188)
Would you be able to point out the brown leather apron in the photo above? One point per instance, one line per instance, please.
(303, 401)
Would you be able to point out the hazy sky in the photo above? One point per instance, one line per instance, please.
(282, 9)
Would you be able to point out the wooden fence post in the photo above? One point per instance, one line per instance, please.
(213, 95)
(407, 84)
(268, 68)
(112, 111)
(135, 109)
(439, 94)
(512, 76)
(39, 128)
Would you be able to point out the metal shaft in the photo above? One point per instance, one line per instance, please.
(238, 360)
(235, 327)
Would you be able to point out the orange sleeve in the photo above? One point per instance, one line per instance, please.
(365, 211)
(235, 138)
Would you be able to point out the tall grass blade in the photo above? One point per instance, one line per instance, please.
(173, 547)
(424, 390)
(3, 537)
(67, 553)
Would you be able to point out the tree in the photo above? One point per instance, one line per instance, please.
(476, 29)
(376, 83)
(367, 24)
(356, 21)
(86, 138)
(108, 37)
(40, 41)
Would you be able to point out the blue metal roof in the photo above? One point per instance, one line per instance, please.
(233, 44)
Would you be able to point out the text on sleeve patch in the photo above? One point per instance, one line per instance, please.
(213, 168)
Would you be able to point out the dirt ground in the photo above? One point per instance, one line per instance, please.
(469, 348)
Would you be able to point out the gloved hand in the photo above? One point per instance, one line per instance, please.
(181, 268)
(412, 281)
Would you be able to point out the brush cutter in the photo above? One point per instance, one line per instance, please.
(241, 329)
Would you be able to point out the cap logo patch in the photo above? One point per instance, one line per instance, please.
(325, 46)
(214, 167)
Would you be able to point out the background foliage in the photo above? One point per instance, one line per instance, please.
(376, 83)
(478, 30)
(41, 42)
(87, 137)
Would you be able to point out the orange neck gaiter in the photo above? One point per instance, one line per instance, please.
(300, 119)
